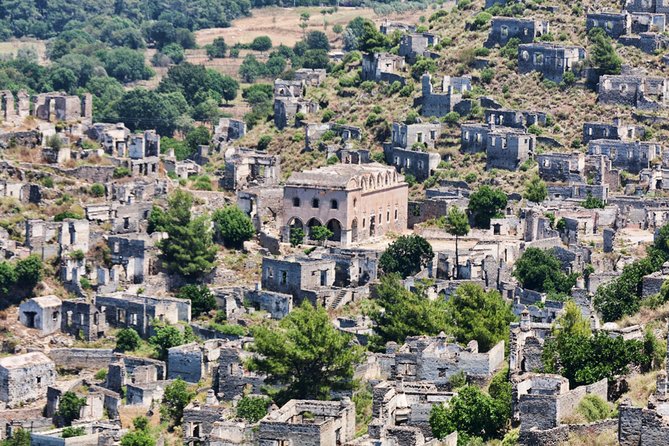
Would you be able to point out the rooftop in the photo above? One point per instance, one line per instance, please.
(25, 360)
(340, 176)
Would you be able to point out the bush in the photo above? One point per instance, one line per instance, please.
(328, 115)
(263, 142)
(101, 375)
(593, 408)
(121, 172)
(252, 408)
(97, 190)
(70, 432)
(69, 407)
(481, 20)
(487, 75)
(201, 298)
(127, 340)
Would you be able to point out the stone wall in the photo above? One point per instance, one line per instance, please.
(81, 358)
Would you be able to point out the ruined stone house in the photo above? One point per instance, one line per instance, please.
(309, 423)
(383, 67)
(616, 130)
(58, 106)
(25, 378)
(228, 129)
(356, 202)
(388, 27)
(311, 76)
(245, 168)
(517, 119)
(634, 90)
(503, 29)
(42, 313)
(449, 98)
(630, 156)
(51, 239)
(231, 378)
(82, 319)
(561, 167)
(509, 149)
(415, 45)
(614, 24)
(551, 60)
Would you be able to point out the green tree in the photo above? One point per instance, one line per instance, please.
(252, 408)
(305, 354)
(175, 52)
(261, 43)
(320, 233)
(535, 190)
(486, 203)
(7, 279)
(201, 298)
(97, 190)
(70, 432)
(317, 40)
(127, 340)
(472, 413)
(423, 65)
(217, 49)
(188, 250)
(539, 270)
(457, 224)
(29, 271)
(603, 55)
(251, 69)
(126, 65)
(199, 136)
(69, 407)
(404, 313)
(138, 437)
(372, 40)
(591, 202)
(296, 236)
(407, 255)
(475, 314)
(20, 437)
(168, 336)
(233, 226)
(175, 399)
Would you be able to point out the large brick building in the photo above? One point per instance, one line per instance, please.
(356, 202)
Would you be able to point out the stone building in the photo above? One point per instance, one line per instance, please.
(112, 137)
(649, 6)
(245, 168)
(406, 135)
(130, 253)
(290, 103)
(647, 22)
(387, 27)
(517, 119)
(137, 311)
(57, 106)
(551, 60)
(649, 42)
(42, 313)
(616, 130)
(82, 319)
(419, 163)
(228, 129)
(383, 67)
(295, 275)
(25, 378)
(193, 362)
(312, 77)
(309, 423)
(561, 167)
(504, 29)
(144, 145)
(509, 149)
(51, 238)
(436, 359)
(630, 156)
(231, 378)
(449, 99)
(415, 45)
(634, 90)
(356, 202)
(614, 24)
(541, 401)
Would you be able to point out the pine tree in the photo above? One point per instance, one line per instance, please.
(457, 224)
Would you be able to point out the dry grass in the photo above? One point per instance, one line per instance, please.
(646, 316)
(609, 438)
(640, 388)
(11, 47)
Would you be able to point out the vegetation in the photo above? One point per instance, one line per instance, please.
(70, 432)
(252, 408)
(233, 226)
(127, 340)
(69, 407)
(539, 270)
(535, 190)
(486, 203)
(189, 249)
(168, 336)
(457, 224)
(175, 399)
(201, 298)
(305, 355)
(406, 256)
(19, 278)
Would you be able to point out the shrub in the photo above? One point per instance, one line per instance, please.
(101, 375)
(97, 190)
(252, 408)
(481, 20)
(593, 408)
(70, 432)
(127, 340)
(121, 172)
(487, 75)
(263, 142)
(327, 115)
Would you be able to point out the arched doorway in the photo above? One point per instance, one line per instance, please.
(296, 231)
(311, 224)
(334, 226)
(354, 230)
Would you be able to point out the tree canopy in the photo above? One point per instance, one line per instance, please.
(407, 255)
(305, 355)
(539, 270)
(201, 298)
(233, 226)
(486, 203)
(535, 190)
(175, 399)
(188, 250)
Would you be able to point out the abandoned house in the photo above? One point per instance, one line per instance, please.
(83, 319)
(42, 313)
(615, 130)
(245, 168)
(25, 378)
(505, 148)
(517, 119)
(614, 24)
(293, 276)
(383, 67)
(310, 76)
(436, 359)
(51, 238)
(649, 6)
(562, 167)
(411, 161)
(413, 46)
(130, 252)
(630, 156)
(648, 22)
(387, 27)
(231, 378)
(309, 423)
(551, 60)
(449, 99)
(644, 92)
(228, 129)
(503, 29)
(287, 109)
(57, 106)
(409, 135)
(112, 137)
(355, 201)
